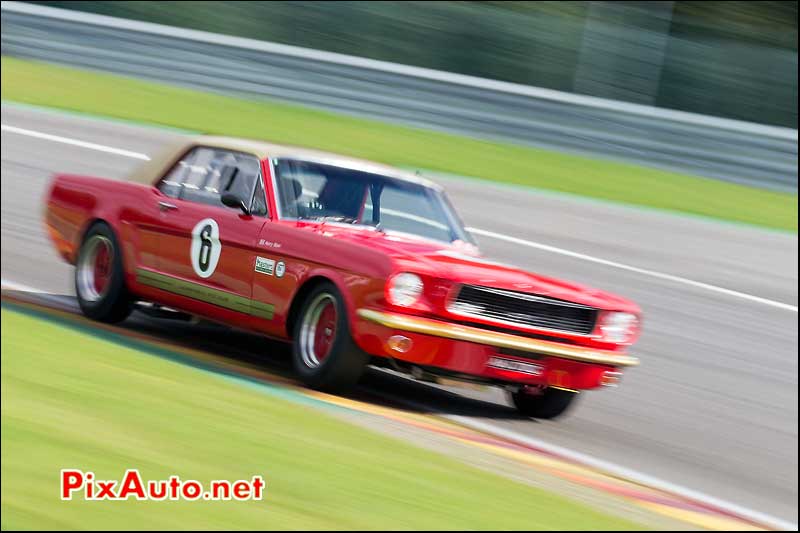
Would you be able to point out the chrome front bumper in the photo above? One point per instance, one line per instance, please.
(458, 332)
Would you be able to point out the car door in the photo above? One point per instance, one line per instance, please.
(206, 249)
(286, 253)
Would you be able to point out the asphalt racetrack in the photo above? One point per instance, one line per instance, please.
(713, 406)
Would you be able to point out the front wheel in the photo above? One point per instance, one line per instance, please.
(546, 403)
(99, 278)
(324, 353)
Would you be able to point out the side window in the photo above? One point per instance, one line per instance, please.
(298, 188)
(205, 173)
(210, 171)
(172, 183)
(308, 190)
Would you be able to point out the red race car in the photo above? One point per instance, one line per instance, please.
(353, 262)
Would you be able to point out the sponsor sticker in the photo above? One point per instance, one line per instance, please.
(280, 269)
(269, 244)
(265, 266)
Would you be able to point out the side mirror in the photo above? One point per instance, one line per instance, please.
(233, 200)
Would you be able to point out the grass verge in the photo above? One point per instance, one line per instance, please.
(71, 400)
(131, 99)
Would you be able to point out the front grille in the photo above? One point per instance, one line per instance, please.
(523, 309)
(511, 331)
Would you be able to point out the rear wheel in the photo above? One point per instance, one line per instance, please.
(324, 354)
(99, 278)
(543, 403)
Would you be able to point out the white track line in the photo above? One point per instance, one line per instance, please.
(14, 286)
(602, 465)
(651, 273)
(486, 233)
(8, 285)
(627, 473)
(75, 142)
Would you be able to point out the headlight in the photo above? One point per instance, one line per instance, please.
(403, 289)
(619, 328)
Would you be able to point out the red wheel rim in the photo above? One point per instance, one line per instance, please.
(324, 331)
(102, 267)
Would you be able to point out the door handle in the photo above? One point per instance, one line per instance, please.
(165, 206)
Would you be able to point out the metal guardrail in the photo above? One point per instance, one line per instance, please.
(742, 152)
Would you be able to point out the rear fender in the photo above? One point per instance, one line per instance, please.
(74, 203)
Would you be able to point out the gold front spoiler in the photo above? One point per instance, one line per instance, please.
(458, 332)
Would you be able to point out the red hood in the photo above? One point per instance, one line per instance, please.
(463, 263)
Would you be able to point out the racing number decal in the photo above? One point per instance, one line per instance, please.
(205, 247)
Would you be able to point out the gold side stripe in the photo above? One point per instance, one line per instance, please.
(200, 292)
(493, 338)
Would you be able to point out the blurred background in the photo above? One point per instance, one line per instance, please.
(581, 77)
(728, 59)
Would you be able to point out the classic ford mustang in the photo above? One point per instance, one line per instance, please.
(353, 262)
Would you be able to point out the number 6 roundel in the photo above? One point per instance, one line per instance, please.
(205, 247)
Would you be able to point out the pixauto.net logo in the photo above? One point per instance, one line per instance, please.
(84, 485)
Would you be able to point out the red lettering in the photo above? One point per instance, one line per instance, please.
(241, 490)
(192, 490)
(174, 485)
(132, 485)
(258, 485)
(106, 490)
(154, 493)
(89, 483)
(218, 487)
(71, 480)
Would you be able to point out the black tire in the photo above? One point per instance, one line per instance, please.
(344, 362)
(112, 304)
(551, 403)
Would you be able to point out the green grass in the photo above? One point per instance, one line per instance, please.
(115, 96)
(72, 400)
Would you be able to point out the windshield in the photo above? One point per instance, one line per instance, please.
(315, 191)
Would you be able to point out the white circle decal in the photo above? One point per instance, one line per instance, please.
(205, 247)
(280, 269)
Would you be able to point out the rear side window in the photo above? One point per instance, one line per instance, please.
(205, 173)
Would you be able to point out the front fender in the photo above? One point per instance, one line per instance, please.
(357, 290)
